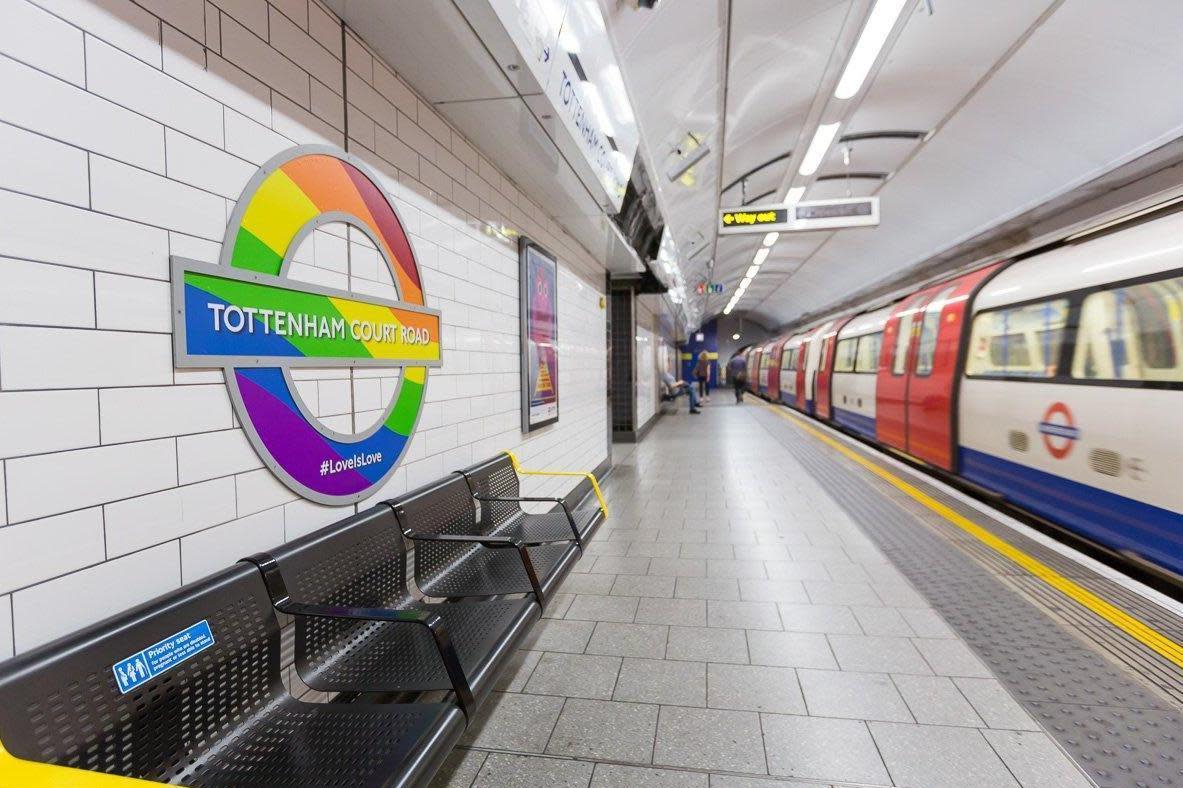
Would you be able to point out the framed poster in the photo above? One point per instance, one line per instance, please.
(539, 278)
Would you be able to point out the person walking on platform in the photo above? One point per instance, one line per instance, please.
(702, 373)
(737, 373)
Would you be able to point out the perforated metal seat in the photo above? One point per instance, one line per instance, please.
(455, 557)
(219, 718)
(496, 487)
(360, 563)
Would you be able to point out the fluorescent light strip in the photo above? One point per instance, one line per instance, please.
(817, 148)
(794, 195)
(869, 45)
(770, 239)
(752, 271)
(761, 256)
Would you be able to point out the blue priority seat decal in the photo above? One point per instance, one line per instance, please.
(131, 672)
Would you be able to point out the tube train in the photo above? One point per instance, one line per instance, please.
(1053, 382)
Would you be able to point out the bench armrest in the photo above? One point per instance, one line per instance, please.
(591, 477)
(432, 621)
(32, 774)
(491, 542)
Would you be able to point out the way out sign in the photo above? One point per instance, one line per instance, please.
(800, 217)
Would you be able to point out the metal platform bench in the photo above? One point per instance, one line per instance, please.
(454, 556)
(186, 689)
(496, 486)
(359, 629)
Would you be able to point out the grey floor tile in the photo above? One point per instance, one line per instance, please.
(926, 622)
(899, 595)
(935, 700)
(827, 554)
(856, 696)
(502, 770)
(732, 781)
(796, 570)
(643, 585)
(819, 748)
(1035, 760)
(875, 654)
(460, 769)
(995, 705)
(701, 644)
(587, 584)
(707, 588)
(599, 548)
(654, 550)
(609, 775)
(613, 565)
(882, 621)
(628, 640)
(710, 739)
(743, 615)
(705, 550)
(682, 537)
(558, 605)
(847, 572)
(522, 723)
(574, 676)
(607, 730)
(603, 608)
(560, 635)
(668, 682)
(678, 567)
(731, 537)
(827, 619)
(517, 670)
(931, 756)
(753, 589)
(754, 688)
(681, 612)
(717, 567)
(824, 592)
(791, 650)
(762, 552)
(952, 658)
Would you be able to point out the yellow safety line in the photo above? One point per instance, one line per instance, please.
(517, 466)
(31, 774)
(1132, 626)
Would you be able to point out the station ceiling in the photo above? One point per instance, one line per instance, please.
(974, 113)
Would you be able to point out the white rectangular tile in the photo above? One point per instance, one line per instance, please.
(216, 548)
(39, 550)
(40, 422)
(47, 358)
(136, 523)
(47, 295)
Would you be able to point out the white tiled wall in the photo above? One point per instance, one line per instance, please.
(127, 130)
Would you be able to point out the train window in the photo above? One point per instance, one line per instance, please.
(1132, 333)
(903, 338)
(845, 355)
(930, 326)
(1022, 341)
(867, 358)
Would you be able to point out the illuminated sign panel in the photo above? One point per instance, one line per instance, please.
(800, 217)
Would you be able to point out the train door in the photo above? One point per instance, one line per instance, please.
(825, 368)
(804, 396)
(754, 370)
(813, 365)
(788, 374)
(891, 389)
(933, 369)
(773, 389)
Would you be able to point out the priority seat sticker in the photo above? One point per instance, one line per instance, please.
(164, 655)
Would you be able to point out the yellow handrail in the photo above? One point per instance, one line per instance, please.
(517, 466)
(16, 771)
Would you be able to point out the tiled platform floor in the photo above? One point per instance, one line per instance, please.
(731, 627)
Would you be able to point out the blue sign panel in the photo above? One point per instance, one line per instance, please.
(139, 668)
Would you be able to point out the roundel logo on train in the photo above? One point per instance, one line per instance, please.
(1059, 430)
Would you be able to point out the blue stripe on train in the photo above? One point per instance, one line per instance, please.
(863, 425)
(1115, 521)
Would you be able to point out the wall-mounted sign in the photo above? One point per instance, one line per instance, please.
(540, 332)
(249, 317)
(704, 288)
(800, 217)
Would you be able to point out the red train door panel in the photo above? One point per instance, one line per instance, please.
(933, 368)
(754, 371)
(802, 355)
(891, 389)
(826, 367)
(774, 371)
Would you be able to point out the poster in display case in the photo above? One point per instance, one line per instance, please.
(539, 309)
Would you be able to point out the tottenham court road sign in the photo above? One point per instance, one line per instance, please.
(247, 316)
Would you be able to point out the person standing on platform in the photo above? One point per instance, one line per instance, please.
(737, 373)
(702, 373)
